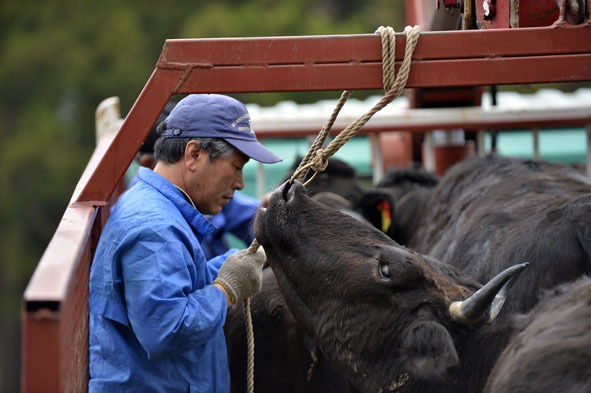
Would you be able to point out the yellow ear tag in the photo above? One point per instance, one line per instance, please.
(384, 208)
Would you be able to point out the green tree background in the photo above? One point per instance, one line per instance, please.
(60, 58)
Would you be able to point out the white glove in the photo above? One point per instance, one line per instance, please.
(242, 274)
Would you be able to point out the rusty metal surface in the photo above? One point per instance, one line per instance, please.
(40, 352)
(73, 324)
(503, 14)
(537, 13)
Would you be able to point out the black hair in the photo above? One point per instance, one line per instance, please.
(171, 150)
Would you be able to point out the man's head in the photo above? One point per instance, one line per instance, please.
(217, 116)
(205, 142)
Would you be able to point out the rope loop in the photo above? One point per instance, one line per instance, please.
(302, 170)
(388, 55)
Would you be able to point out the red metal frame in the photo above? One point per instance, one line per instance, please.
(55, 303)
(451, 58)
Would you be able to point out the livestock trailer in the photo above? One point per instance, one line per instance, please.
(55, 306)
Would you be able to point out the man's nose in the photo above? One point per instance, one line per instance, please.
(239, 181)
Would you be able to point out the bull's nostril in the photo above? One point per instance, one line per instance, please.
(285, 191)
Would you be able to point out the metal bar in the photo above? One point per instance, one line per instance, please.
(40, 351)
(50, 280)
(514, 14)
(429, 152)
(421, 120)
(354, 76)
(535, 133)
(335, 62)
(205, 53)
(378, 158)
(467, 21)
(260, 180)
(103, 174)
(588, 131)
(480, 137)
(55, 315)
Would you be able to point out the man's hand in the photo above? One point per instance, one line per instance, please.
(242, 274)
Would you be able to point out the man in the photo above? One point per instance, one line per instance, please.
(157, 306)
(235, 218)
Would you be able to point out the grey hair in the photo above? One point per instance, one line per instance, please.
(171, 150)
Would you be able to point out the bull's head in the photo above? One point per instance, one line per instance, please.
(380, 311)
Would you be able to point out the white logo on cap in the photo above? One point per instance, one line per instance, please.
(244, 116)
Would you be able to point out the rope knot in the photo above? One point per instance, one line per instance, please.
(319, 162)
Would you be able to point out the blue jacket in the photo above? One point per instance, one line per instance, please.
(235, 218)
(155, 319)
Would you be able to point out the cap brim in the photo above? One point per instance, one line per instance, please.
(254, 150)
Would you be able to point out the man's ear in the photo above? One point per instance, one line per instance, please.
(193, 154)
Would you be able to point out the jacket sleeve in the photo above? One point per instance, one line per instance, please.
(170, 301)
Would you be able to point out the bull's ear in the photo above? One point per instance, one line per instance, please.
(378, 207)
(429, 349)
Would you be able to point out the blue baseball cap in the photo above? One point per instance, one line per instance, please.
(217, 116)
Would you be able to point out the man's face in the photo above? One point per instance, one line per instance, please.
(212, 185)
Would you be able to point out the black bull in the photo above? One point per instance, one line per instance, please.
(286, 358)
(381, 312)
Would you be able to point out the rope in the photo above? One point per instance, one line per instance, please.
(249, 333)
(300, 174)
(317, 158)
(388, 55)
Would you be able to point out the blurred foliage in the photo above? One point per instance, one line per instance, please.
(60, 58)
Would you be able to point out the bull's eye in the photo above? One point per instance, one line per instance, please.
(384, 270)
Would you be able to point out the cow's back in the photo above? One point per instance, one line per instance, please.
(490, 213)
(551, 352)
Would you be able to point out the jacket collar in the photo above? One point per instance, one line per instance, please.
(166, 188)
